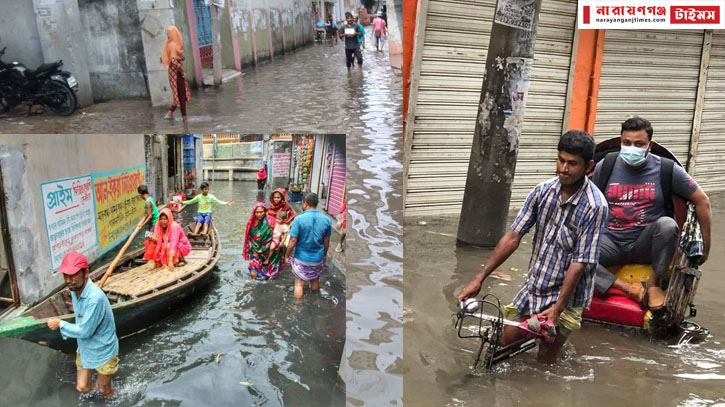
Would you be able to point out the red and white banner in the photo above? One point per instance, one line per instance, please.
(652, 15)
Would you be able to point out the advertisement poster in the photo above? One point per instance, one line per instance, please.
(119, 207)
(69, 217)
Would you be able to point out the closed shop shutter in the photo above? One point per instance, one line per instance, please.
(652, 74)
(337, 182)
(709, 164)
(451, 75)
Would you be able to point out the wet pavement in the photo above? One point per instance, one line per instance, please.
(239, 342)
(599, 366)
(309, 90)
(375, 231)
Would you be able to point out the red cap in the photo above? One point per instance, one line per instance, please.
(72, 262)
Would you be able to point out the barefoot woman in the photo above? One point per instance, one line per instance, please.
(173, 58)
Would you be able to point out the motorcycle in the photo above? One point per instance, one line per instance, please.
(47, 85)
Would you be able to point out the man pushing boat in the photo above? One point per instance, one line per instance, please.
(569, 214)
(94, 327)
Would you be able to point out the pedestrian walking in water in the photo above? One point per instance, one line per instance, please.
(173, 58)
(261, 178)
(350, 32)
(203, 214)
(308, 244)
(94, 328)
(257, 240)
(360, 42)
(379, 30)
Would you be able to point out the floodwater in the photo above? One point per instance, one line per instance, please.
(599, 367)
(309, 90)
(303, 91)
(238, 343)
(375, 253)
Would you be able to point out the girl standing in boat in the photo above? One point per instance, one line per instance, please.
(173, 58)
(171, 242)
(257, 239)
(277, 203)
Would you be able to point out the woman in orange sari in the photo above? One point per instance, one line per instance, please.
(173, 58)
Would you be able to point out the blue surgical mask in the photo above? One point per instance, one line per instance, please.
(633, 156)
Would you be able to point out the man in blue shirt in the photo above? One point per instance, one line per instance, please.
(94, 327)
(361, 43)
(309, 239)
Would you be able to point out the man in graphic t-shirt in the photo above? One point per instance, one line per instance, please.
(639, 229)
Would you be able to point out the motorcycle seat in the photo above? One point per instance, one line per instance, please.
(44, 68)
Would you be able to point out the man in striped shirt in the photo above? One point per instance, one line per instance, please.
(569, 213)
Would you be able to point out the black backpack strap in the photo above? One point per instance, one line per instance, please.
(606, 171)
(666, 170)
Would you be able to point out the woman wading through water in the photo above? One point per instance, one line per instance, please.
(173, 58)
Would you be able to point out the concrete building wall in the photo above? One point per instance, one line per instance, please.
(116, 61)
(19, 33)
(29, 160)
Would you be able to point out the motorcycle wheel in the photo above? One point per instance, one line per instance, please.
(7, 99)
(62, 100)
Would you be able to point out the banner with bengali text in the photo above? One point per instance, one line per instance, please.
(69, 218)
(119, 207)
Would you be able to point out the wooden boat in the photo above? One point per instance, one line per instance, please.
(615, 309)
(140, 294)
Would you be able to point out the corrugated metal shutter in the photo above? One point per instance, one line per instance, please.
(337, 183)
(709, 165)
(652, 74)
(451, 76)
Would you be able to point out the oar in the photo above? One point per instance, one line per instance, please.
(113, 265)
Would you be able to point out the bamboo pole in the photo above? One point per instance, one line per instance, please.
(120, 253)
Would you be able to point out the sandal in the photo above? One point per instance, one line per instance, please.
(638, 292)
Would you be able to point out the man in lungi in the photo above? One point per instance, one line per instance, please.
(309, 240)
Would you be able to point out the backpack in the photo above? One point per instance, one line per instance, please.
(666, 170)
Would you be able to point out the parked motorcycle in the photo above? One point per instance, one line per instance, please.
(47, 85)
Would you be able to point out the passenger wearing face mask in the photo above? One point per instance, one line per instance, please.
(641, 228)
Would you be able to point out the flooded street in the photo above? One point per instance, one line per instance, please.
(277, 351)
(309, 90)
(375, 230)
(239, 342)
(598, 367)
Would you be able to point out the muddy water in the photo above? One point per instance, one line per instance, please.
(304, 91)
(308, 90)
(240, 342)
(599, 367)
(375, 253)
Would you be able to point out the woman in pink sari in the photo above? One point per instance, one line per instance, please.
(171, 242)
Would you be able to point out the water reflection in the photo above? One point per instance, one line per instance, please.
(599, 366)
(239, 342)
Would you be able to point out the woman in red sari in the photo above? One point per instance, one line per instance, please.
(173, 58)
(171, 242)
(278, 202)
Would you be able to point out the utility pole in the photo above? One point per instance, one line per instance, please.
(216, 41)
(499, 122)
